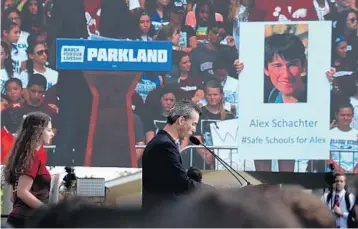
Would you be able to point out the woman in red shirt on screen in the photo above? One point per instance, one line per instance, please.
(26, 171)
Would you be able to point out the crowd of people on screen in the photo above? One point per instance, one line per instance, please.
(206, 65)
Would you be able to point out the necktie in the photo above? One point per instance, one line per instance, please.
(336, 200)
(336, 203)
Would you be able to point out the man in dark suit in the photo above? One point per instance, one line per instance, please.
(164, 178)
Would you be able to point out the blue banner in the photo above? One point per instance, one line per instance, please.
(114, 55)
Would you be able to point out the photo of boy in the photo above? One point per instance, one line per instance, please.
(285, 67)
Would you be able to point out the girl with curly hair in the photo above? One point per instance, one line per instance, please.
(26, 171)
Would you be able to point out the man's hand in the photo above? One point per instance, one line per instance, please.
(330, 74)
(230, 41)
(337, 211)
(238, 66)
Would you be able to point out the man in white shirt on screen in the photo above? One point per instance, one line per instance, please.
(344, 137)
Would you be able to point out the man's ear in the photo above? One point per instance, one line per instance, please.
(266, 72)
(181, 120)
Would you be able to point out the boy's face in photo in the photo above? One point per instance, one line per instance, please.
(285, 75)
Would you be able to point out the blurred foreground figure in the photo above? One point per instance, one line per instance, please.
(248, 207)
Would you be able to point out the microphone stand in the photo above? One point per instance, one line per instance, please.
(227, 166)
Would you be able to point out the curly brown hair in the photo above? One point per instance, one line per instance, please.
(23, 151)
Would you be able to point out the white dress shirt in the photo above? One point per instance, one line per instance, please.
(341, 222)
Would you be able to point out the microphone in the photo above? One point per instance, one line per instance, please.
(196, 141)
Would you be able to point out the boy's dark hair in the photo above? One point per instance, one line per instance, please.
(343, 105)
(287, 46)
(13, 80)
(195, 174)
(37, 79)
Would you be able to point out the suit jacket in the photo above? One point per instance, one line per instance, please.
(164, 178)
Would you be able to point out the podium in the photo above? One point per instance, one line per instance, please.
(111, 69)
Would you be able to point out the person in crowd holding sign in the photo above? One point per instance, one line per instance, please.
(285, 63)
(344, 137)
(340, 201)
(26, 171)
